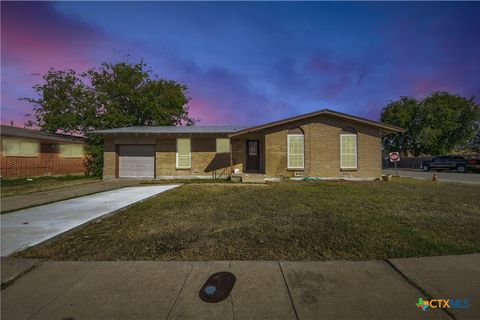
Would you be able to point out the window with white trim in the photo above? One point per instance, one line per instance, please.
(223, 145)
(295, 151)
(71, 150)
(184, 155)
(22, 148)
(348, 151)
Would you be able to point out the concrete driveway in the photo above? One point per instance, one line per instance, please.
(23, 201)
(28, 227)
(442, 176)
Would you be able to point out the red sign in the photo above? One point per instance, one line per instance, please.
(394, 156)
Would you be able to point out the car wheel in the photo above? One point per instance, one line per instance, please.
(425, 168)
(461, 169)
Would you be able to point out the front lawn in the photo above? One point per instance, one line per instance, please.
(18, 186)
(287, 221)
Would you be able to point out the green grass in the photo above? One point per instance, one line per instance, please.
(19, 186)
(288, 221)
(187, 181)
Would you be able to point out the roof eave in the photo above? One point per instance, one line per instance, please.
(393, 129)
(385, 127)
(155, 133)
(45, 139)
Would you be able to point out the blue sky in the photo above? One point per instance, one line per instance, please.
(248, 62)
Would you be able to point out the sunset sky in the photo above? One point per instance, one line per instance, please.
(249, 63)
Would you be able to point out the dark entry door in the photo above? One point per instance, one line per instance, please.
(253, 155)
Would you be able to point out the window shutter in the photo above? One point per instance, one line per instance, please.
(183, 153)
(223, 145)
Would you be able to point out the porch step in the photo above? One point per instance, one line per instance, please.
(251, 177)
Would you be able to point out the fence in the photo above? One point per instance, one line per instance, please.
(410, 162)
(405, 162)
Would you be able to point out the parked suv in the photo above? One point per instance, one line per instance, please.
(458, 163)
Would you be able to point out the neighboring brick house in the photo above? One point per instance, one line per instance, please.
(323, 144)
(29, 153)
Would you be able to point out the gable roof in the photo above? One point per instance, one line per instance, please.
(385, 127)
(238, 130)
(174, 129)
(39, 135)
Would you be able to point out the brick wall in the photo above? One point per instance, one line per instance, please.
(322, 149)
(109, 158)
(205, 162)
(48, 162)
(239, 150)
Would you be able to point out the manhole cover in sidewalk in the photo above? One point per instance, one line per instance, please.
(217, 287)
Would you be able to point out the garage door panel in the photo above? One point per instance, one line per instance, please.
(141, 150)
(136, 161)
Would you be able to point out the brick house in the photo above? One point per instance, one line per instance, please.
(29, 153)
(323, 144)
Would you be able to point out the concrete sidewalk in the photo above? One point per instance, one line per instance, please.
(264, 289)
(13, 203)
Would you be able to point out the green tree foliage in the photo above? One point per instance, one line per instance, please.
(474, 143)
(114, 95)
(435, 125)
(64, 103)
(404, 113)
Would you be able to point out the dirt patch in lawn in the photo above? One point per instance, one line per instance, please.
(287, 221)
(21, 186)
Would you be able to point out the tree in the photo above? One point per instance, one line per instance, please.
(473, 144)
(114, 95)
(130, 97)
(435, 125)
(404, 113)
(64, 103)
(449, 121)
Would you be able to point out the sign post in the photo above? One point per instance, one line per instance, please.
(394, 157)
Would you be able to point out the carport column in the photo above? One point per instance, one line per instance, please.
(109, 157)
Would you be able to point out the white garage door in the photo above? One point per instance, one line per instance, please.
(136, 161)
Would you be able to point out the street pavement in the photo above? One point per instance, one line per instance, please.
(28, 227)
(263, 289)
(441, 176)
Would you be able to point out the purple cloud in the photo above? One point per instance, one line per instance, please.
(249, 63)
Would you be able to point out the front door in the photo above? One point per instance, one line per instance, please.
(253, 155)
